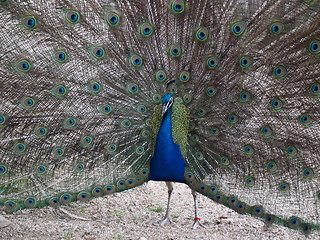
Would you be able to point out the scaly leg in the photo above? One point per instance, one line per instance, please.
(166, 218)
(196, 222)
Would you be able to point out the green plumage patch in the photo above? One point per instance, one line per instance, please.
(180, 124)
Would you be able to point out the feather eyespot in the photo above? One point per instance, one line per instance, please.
(83, 196)
(305, 120)
(178, 6)
(30, 202)
(219, 198)
(140, 150)
(294, 222)
(109, 189)
(314, 89)
(161, 75)
(211, 91)
(212, 62)
(29, 22)
(284, 187)
(54, 202)
(145, 133)
(189, 177)
(172, 89)
(248, 150)
(199, 156)
(11, 206)
(202, 112)
(111, 149)
(72, 16)
(232, 119)
(41, 132)
(60, 56)
(126, 123)
(249, 181)
(272, 167)
(3, 119)
(136, 60)
(70, 123)
(240, 207)
(266, 131)
(93, 87)
(238, 28)
(23, 65)
(28, 103)
(41, 170)
(276, 104)
(257, 211)
(3, 169)
(58, 152)
(202, 34)
(280, 72)
(184, 76)
(97, 192)
(141, 109)
(131, 182)
(133, 88)
(148, 122)
(314, 47)
(308, 173)
(224, 161)
(187, 98)
(97, 52)
(121, 184)
(174, 50)
(306, 229)
(144, 172)
(20, 148)
(276, 28)
(195, 138)
(291, 151)
(215, 131)
(146, 30)
(112, 19)
(59, 91)
(213, 190)
(65, 198)
(86, 141)
(105, 109)
(269, 219)
(156, 98)
(245, 62)
(245, 96)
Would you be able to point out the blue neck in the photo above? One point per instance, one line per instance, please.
(167, 163)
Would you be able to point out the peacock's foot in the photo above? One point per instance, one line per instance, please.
(197, 223)
(163, 222)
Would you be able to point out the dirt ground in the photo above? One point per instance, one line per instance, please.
(130, 214)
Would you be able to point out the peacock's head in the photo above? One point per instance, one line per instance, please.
(167, 101)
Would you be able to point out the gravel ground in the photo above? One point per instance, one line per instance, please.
(130, 214)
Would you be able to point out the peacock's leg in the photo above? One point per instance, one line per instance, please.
(196, 222)
(166, 218)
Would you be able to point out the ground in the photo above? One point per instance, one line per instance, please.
(130, 214)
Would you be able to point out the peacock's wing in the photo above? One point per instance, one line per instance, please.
(254, 139)
(76, 100)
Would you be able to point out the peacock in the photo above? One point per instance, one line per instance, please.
(101, 96)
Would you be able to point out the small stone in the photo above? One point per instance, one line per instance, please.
(4, 222)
